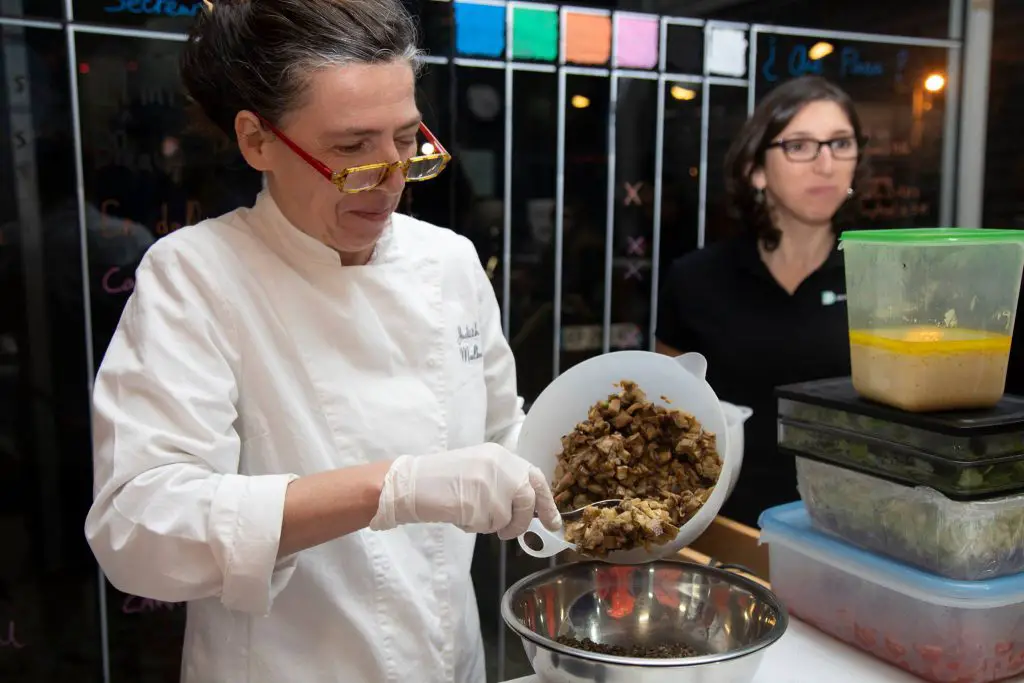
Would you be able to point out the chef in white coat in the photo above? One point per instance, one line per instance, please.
(308, 407)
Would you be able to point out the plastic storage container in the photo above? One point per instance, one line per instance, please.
(967, 456)
(931, 314)
(962, 480)
(965, 541)
(966, 435)
(941, 630)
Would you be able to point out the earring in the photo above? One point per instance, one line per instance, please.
(849, 192)
(759, 195)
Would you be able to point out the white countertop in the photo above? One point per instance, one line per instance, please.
(805, 655)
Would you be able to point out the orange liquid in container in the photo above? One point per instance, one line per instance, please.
(925, 369)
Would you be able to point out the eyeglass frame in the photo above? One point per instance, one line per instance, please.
(781, 144)
(337, 178)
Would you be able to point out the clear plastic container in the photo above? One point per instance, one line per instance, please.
(941, 630)
(931, 314)
(966, 435)
(967, 541)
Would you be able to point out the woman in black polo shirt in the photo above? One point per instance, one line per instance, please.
(768, 308)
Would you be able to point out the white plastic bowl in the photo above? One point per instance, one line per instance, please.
(735, 417)
(566, 401)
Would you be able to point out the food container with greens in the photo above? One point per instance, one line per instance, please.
(938, 629)
(963, 480)
(964, 455)
(967, 541)
(960, 435)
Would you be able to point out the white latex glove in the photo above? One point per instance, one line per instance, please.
(483, 489)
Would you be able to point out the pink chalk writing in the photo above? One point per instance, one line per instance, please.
(115, 283)
(633, 194)
(636, 246)
(112, 227)
(133, 604)
(193, 214)
(11, 637)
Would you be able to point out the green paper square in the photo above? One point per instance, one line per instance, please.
(534, 34)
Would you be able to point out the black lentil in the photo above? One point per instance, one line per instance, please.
(673, 651)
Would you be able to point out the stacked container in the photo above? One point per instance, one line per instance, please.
(943, 492)
(909, 542)
(931, 315)
(941, 630)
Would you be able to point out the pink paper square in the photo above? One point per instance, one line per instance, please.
(636, 42)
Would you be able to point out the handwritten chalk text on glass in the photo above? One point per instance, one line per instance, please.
(193, 214)
(133, 604)
(166, 8)
(9, 637)
(852, 65)
(114, 148)
(882, 198)
(798, 63)
(111, 226)
(116, 282)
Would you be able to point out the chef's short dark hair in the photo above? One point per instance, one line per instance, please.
(747, 153)
(257, 55)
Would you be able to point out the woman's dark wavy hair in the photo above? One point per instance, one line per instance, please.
(747, 152)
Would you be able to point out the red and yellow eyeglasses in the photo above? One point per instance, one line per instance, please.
(362, 178)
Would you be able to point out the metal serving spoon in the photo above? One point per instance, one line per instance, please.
(552, 544)
(573, 515)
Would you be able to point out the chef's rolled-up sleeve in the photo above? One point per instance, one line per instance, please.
(173, 520)
(504, 405)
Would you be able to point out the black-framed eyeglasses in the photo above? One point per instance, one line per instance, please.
(808, 149)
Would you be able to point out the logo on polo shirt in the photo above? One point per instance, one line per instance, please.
(828, 298)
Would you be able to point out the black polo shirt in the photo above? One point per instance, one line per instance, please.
(724, 303)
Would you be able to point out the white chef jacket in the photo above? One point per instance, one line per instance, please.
(248, 356)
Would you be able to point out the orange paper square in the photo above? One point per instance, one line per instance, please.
(588, 38)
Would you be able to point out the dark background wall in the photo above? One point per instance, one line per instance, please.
(145, 174)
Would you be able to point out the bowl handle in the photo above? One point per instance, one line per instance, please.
(550, 544)
(694, 363)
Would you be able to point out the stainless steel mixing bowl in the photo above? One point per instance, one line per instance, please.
(727, 619)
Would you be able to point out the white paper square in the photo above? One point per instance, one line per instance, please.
(727, 52)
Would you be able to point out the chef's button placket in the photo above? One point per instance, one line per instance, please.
(436, 381)
(436, 354)
(442, 589)
(383, 595)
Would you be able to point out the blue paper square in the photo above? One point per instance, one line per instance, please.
(479, 30)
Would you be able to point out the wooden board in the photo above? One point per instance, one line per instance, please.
(730, 542)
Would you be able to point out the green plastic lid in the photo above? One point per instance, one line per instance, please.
(932, 236)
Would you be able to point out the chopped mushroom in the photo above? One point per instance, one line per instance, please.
(660, 461)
